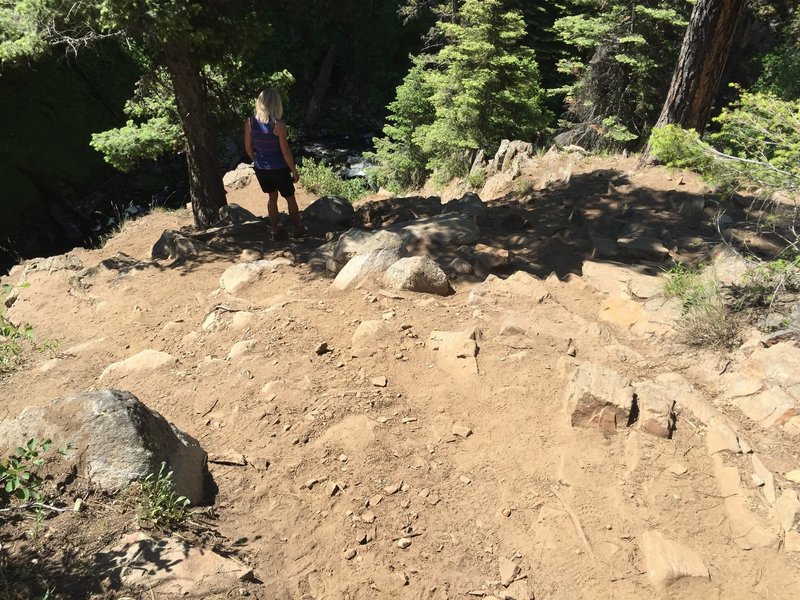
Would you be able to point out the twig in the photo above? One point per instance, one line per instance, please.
(34, 505)
(212, 407)
(576, 522)
(408, 535)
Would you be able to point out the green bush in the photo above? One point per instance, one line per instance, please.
(18, 477)
(160, 506)
(477, 179)
(318, 178)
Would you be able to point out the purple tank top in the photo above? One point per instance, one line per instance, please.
(266, 146)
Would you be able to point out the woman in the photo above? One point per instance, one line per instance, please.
(266, 144)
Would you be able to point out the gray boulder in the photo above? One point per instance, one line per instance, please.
(447, 229)
(330, 209)
(176, 246)
(356, 242)
(469, 204)
(362, 267)
(116, 438)
(418, 274)
(239, 177)
(233, 213)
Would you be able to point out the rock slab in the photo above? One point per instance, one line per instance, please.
(598, 397)
(666, 561)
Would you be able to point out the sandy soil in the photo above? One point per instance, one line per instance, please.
(567, 505)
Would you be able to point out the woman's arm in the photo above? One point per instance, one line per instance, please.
(248, 140)
(280, 130)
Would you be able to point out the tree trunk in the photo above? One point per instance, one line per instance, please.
(701, 63)
(321, 86)
(205, 180)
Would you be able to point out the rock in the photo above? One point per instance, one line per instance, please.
(450, 229)
(350, 554)
(357, 242)
(375, 500)
(791, 542)
(233, 213)
(332, 488)
(489, 257)
(321, 348)
(389, 582)
(642, 248)
(359, 268)
(459, 266)
(117, 440)
(241, 275)
(677, 469)
(469, 204)
(779, 365)
(379, 381)
(417, 274)
(176, 246)
(787, 510)
(766, 476)
(596, 396)
(460, 430)
(666, 561)
(619, 280)
(241, 348)
(518, 590)
(171, 567)
(720, 437)
(793, 476)
(239, 177)
(146, 360)
(508, 571)
(656, 402)
(321, 259)
(771, 407)
(368, 335)
(403, 543)
(519, 288)
(456, 350)
(330, 209)
(368, 517)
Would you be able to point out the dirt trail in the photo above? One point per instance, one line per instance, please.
(567, 505)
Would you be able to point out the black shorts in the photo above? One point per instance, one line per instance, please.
(276, 179)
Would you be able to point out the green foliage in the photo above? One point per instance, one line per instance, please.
(124, 147)
(13, 338)
(480, 87)
(625, 54)
(160, 505)
(758, 142)
(318, 178)
(764, 283)
(18, 477)
(705, 320)
(477, 179)
(19, 30)
(781, 73)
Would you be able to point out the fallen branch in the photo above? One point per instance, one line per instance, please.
(34, 505)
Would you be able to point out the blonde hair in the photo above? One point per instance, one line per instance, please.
(269, 106)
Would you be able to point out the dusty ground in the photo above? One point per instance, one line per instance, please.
(511, 489)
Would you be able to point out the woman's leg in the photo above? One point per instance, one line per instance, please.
(294, 213)
(272, 210)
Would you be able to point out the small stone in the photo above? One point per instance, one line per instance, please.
(461, 430)
(407, 420)
(375, 500)
(322, 348)
(79, 505)
(382, 419)
(508, 571)
(310, 483)
(793, 476)
(350, 554)
(332, 488)
(343, 458)
(379, 381)
(571, 351)
(368, 517)
(506, 512)
(424, 493)
(677, 469)
(393, 488)
(403, 543)
(464, 479)
(405, 503)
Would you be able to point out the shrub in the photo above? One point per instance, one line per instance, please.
(477, 179)
(318, 178)
(18, 477)
(159, 504)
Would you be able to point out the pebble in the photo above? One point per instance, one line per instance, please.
(382, 419)
(571, 351)
(506, 512)
(79, 505)
(332, 488)
(424, 492)
(405, 503)
(793, 476)
(368, 517)
(407, 420)
(405, 326)
(461, 430)
(508, 571)
(393, 488)
(403, 543)
(343, 458)
(375, 500)
(322, 348)
(677, 469)
(464, 479)
(350, 554)
(379, 381)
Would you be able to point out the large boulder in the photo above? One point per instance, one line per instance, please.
(469, 204)
(418, 274)
(233, 213)
(447, 229)
(239, 177)
(331, 210)
(176, 246)
(362, 267)
(355, 242)
(116, 438)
